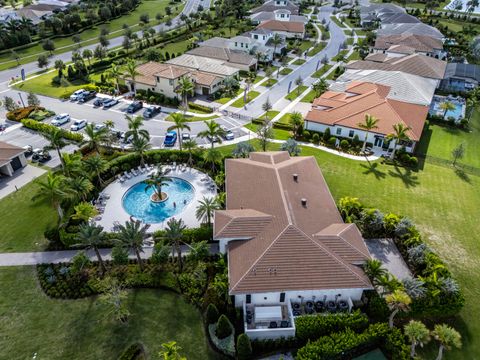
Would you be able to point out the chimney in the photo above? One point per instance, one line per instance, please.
(295, 177)
(304, 202)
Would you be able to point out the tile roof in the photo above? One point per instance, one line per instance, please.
(286, 246)
(225, 54)
(264, 15)
(8, 152)
(401, 49)
(398, 18)
(288, 26)
(416, 64)
(418, 29)
(270, 6)
(463, 70)
(420, 43)
(203, 64)
(348, 109)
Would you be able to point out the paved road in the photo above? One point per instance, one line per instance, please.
(6, 75)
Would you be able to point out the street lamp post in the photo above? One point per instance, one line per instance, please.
(21, 99)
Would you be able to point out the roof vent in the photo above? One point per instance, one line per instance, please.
(295, 177)
(304, 202)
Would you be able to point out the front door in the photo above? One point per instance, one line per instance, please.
(378, 141)
(205, 91)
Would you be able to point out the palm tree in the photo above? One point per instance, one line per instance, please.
(52, 190)
(447, 337)
(80, 187)
(114, 73)
(417, 333)
(398, 300)
(84, 211)
(320, 87)
(92, 236)
(185, 87)
(190, 146)
(214, 132)
(72, 164)
(170, 351)
(95, 165)
(206, 208)
(275, 40)
(374, 269)
(95, 137)
(140, 146)
(88, 54)
(131, 70)
(213, 157)
(399, 134)
(447, 106)
(296, 120)
(181, 123)
(56, 142)
(368, 124)
(134, 128)
(132, 235)
(158, 179)
(174, 235)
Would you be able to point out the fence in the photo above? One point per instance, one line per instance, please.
(449, 163)
(237, 116)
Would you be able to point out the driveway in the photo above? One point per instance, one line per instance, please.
(387, 252)
(20, 178)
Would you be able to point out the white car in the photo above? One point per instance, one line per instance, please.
(78, 124)
(77, 94)
(60, 119)
(99, 126)
(228, 134)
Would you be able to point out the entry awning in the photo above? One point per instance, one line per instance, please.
(268, 313)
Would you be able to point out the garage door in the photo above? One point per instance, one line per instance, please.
(16, 164)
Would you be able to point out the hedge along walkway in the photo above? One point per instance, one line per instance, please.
(49, 257)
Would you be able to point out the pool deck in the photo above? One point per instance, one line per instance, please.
(115, 212)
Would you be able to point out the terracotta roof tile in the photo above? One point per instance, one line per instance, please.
(9, 151)
(420, 43)
(288, 26)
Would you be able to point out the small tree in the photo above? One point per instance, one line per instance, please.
(211, 314)
(114, 299)
(298, 82)
(9, 104)
(397, 301)
(160, 254)
(244, 347)
(224, 327)
(264, 133)
(119, 255)
(447, 337)
(458, 153)
(48, 45)
(291, 146)
(42, 61)
(417, 333)
(267, 106)
(79, 262)
(33, 100)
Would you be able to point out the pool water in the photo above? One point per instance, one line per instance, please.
(136, 201)
(456, 114)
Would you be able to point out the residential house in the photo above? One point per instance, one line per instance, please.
(8, 15)
(370, 15)
(397, 18)
(258, 41)
(272, 5)
(280, 15)
(286, 243)
(288, 29)
(416, 29)
(460, 77)
(407, 43)
(343, 111)
(164, 78)
(12, 158)
(38, 12)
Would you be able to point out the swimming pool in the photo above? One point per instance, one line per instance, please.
(136, 201)
(457, 113)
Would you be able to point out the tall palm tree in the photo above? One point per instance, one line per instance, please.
(296, 120)
(213, 132)
(158, 179)
(397, 301)
(275, 40)
(132, 73)
(447, 106)
(135, 128)
(369, 124)
(56, 142)
(92, 236)
(180, 123)
(72, 164)
(95, 137)
(206, 208)
(140, 146)
(399, 134)
(319, 87)
(417, 333)
(174, 235)
(132, 235)
(185, 87)
(114, 73)
(212, 157)
(190, 146)
(95, 165)
(80, 187)
(447, 337)
(52, 191)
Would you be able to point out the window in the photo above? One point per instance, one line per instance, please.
(339, 131)
(282, 297)
(351, 133)
(249, 299)
(282, 15)
(170, 82)
(255, 37)
(246, 45)
(241, 45)
(235, 44)
(263, 37)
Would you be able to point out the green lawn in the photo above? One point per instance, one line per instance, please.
(340, 54)
(296, 92)
(285, 71)
(309, 97)
(354, 56)
(349, 41)
(439, 141)
(336, 21)
(227, 99)
(321, 71)
(316, 49)
(194, 118)
(80, 329)
(298, 62)
(305, 45)
(270, 82)
(258, 78)
(270, 114)
(285, 119)
(277, 133)
(240, 103)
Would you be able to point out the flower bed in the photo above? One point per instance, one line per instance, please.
(226, 345)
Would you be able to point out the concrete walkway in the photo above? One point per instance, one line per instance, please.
(20, 178)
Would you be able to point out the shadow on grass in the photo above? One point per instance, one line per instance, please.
(372, 168)
(463, 175)
(408, 178)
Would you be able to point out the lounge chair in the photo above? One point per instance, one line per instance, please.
(127, 175)
(134, 172)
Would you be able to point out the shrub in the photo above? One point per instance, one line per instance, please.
(326, 135)
(199, 107)
(47, 128)
(21, 113)
(332, 141)
(316, 138)
(306, 135)
(211, 314)
(344, 144)
(244, 347)
(224, 327)
(119, 255)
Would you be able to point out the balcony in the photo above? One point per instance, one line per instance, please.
(268, 321)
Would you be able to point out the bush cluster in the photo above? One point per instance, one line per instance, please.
(190, 235)
(198, 107)
(21, 113)
(156, 98)
(59, 281)
(47, 128)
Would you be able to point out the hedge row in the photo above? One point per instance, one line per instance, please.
(47, 128)
(202, 108)
(191, 235)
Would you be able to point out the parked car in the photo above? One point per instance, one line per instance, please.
(227, 134)
(109, 103)
(98, 102)
(28, 150)
(3, 127)
(61, 119)
(170, 139)
(78, 124)
(185, 136)
(86, 96)
(151, 111)
(99, 126)
(41, 155)
(134, 107)
(77, 94)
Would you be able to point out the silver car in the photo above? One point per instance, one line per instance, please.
(61, 119)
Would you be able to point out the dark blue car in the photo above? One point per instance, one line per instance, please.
(170, 138)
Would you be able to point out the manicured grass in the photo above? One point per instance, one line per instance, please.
(309, 97)
(317, 48)
(194, 118)
(439, 141)
(285, 119)
(321, 71)
(305, 45)
(348, 32)
(81, 329)
(258, 78)
(24, 220)
(296, 92)
(270, 114)
(349, 41)
(227, 99)
(354, 56)
(341, 53)
(270, 82)
(336, 21)
(285, 71)
(298, 62)
(277, 133)
(240, 103)
(350, 22)
(360, 32)
(176, 48)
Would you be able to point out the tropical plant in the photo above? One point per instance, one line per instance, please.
(95, 137)
(135, 128)
(399, 134)
(79, 187)
(448, 337)
(397, 301)
(158, 179)
(214, 132)
(276, 40)
(296, 120)
(95, 165)
(374, 269)
(114, 297)
(91, 236)
(55, 142)
(190, 146)
(139, 146)
(132, 73)
(205, 209)
(185, 88)
(319, 87)
(369, 124)
(114, 73)
(84, 211)
(171, 351)
(174, 234)
(291, 146)
(52, 190)
(132, 235)
(242, 149)
(417, 333)
(72, 164)
(180, 123)
(212, 157)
